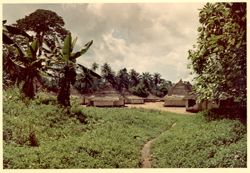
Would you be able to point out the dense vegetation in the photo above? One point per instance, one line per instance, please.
(196, 143)
(219, 56)
(39, 134)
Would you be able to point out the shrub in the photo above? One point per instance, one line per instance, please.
(238, 113)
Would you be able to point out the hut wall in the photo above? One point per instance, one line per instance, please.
(177, 103)
(134, 100)
(103, 103)
(119, 102)
(137, 101)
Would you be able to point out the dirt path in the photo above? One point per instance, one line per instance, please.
(145, 152)
(159, 106)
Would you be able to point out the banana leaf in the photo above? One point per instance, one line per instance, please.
(84, 50)
(67, 48)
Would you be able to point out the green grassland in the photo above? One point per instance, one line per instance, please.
(40, 134)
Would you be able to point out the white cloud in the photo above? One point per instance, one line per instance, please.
(146, 37)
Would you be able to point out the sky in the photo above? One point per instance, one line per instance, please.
(147, 37)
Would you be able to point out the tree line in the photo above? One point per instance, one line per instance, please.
(124, 81)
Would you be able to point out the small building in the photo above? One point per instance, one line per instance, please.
(105, 97)
(177, 94)
(175, 101)
(152, 98)
(132, 99)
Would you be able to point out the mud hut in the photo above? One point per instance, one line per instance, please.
(132, 99)
(177, 94)
(105, 97)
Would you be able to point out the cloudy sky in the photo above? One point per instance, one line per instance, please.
(147, 37)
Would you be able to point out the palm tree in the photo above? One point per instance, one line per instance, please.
(156, 78)
(108, 74)
(123, 79)
(147, 80)
(86, 81)
(134, 78)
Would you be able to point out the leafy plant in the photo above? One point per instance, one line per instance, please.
(26, 60)
(219, 57)
(67, 59)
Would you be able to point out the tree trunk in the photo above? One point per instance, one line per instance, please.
(63, 97)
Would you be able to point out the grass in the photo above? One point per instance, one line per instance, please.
(39, 134)
(196, 143)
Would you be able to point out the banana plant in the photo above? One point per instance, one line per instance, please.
(67, 59)
(31, 66)
(25, 59)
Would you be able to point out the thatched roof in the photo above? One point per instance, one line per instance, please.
(153, 97)
(107, 96)
(107, 92)
(181, 88)
(129, 95)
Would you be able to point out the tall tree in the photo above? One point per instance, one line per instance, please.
(156, 78)
(108, 74)
(46, 24)
(134, 78)
(219, 57)
(146, 79)
(123, 79)
(87, 80)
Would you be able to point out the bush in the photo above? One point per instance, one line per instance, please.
(140, 90)
(238, 113)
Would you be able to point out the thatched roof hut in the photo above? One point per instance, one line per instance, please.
(178, 94)
(132, 99)
(174, 101)
(105, 97)
(180, 88)
(152, 98)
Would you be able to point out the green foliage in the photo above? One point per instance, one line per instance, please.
(140, 90)
(45, 23)
(84, 138)
(24, 60)
(219, 57)
(235, 112)
(67, 58)
(195, 143)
